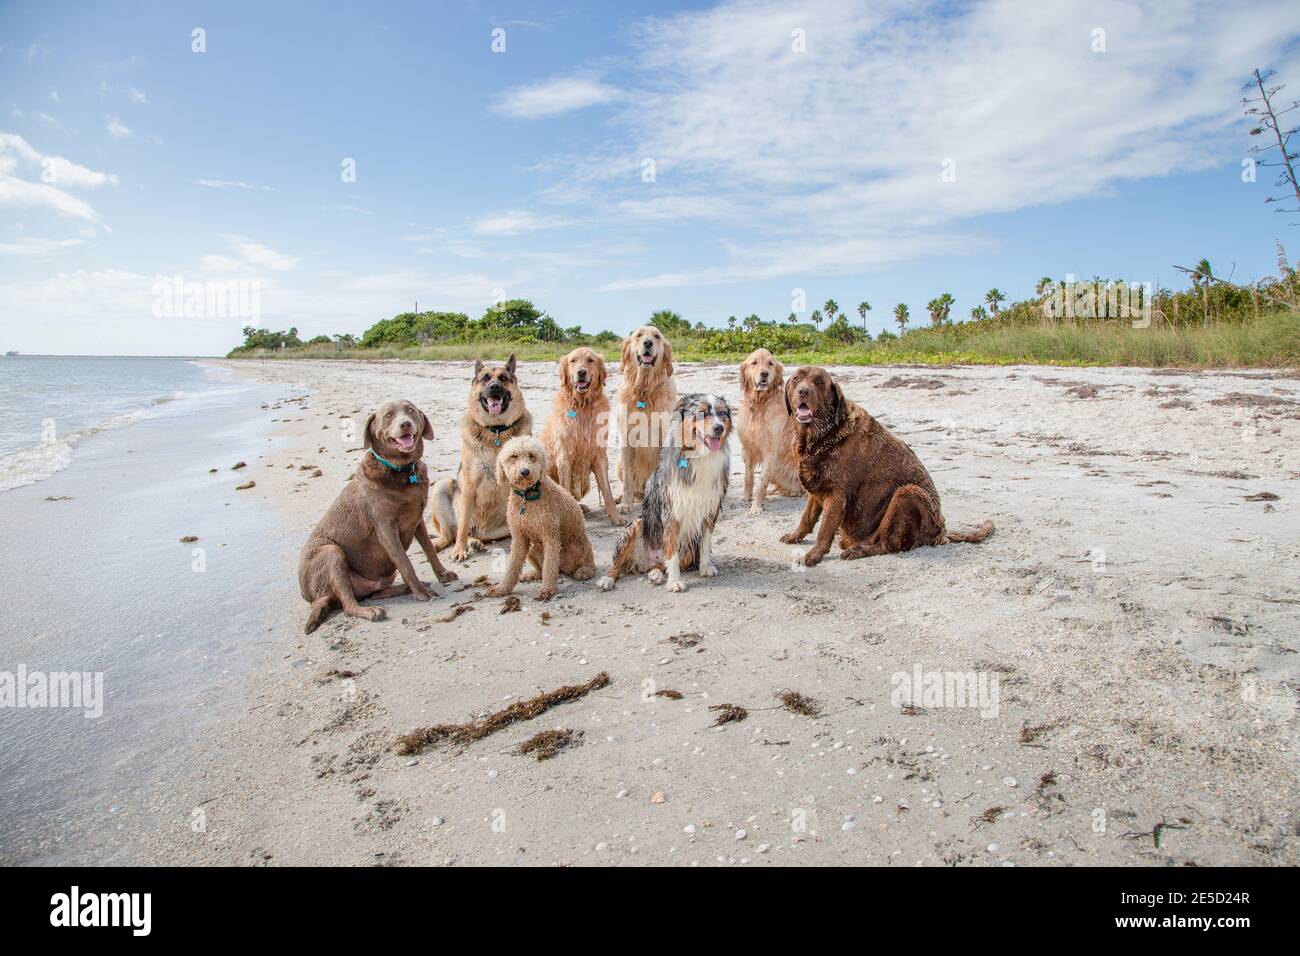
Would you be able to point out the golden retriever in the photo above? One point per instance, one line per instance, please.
(546, 524)
(577, 431)
(767, 431)
(645, 397)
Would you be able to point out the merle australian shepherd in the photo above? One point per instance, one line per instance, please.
(683, 498)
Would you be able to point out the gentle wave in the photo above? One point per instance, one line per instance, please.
(35, 463)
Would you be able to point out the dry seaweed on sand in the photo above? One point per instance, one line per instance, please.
(548, 743)
(1046, 780)
(510, 604)
(684, 641)
(465, 734)
(1028, 733)
(990, 815)
(729, 714)
(797, 703)
(670, 694)
(246, 485)
(456, 611)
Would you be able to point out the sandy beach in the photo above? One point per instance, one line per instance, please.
(1135, 612)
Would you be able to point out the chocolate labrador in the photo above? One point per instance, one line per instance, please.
(360, 545)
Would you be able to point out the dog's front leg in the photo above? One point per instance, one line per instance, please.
(550, 570)
(467, 495)
(812, 510)
(673, 561)
(430, 552)
(392, 546)
(707, 568)
(749, 473)
(518, 555)
(832, 515)
(601, 471)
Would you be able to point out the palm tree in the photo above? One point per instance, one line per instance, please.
(994, 298)
(750, 322)
(792, 318)
(1043, 285)
(933, 308)
(863, 308)
(1201, 280)
(901, 317)
(816, 318)
(731, 321)
(977, 314)
(832, 309)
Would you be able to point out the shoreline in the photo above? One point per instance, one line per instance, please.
(1123, 697)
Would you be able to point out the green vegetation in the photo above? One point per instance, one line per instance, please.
(1213, 323)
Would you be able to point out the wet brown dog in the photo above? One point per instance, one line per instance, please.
(577, 431)
(546, 525)
(471, 508)
(862, 481)
(360, 545)
(646, 398)
(767, 430)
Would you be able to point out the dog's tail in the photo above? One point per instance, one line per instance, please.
(442, 497)
(970, 537)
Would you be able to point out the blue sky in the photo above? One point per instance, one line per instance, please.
(794, 146)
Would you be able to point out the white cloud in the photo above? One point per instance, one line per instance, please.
(137, 96)
(553, 97)
(248, 256)
(513, 222)
(51, 174)
(837, 149)
(117, 129)
(229, 184)
(36, 248)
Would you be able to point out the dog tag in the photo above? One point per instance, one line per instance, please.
(683, 463)
(573, 413)
(640, 404)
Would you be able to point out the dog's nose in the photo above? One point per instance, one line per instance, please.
(647, 347)
(525, 472)
(582, 375)
(718, 429)
(802, 391)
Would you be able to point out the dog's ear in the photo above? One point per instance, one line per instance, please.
(789, 409)
(837, 403)
(369, 440)
(565, 381)
(780, 372)
(625, 356)
(746, 385)
(544, 460)
(501, 470)
(599, 382)
(510, 364)
(478, 367)
(427, 431)
(668, 358)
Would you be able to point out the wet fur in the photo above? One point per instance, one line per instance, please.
(471, 508)
(767, 432)
(863, 482)
(674, 532)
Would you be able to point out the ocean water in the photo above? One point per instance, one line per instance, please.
(49, 404)
(99, 583)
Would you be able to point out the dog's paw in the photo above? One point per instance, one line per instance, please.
(532, 574)
(813, 558)
(545, 594)
(709, 570)
(677, 586)
(421, 593)
(656, 576)
(791, 538)
(446, 577)
(459, 554)
(852, 554)
(755, 511)
(606, 583)
(477, 544)
(617, 520)
(497, 591)
(375, 613)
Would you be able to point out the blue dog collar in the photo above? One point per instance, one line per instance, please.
(413, 468)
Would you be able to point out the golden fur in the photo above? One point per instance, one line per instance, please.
(471, 508)
(548, 530)
(645, 398)
(577, 430)
(767, 431)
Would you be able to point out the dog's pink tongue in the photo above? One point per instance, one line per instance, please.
(494, 406)
(713, 443)
(406, 441)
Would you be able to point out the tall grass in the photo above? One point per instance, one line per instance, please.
(1271, 342)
